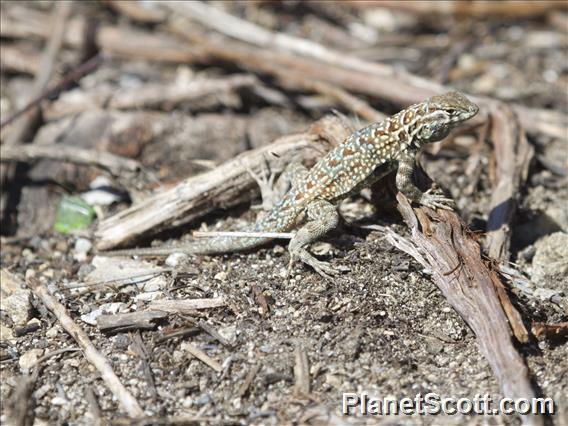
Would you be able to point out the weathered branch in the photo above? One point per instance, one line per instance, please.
(104, 160)
(442, 243)
(513, 155)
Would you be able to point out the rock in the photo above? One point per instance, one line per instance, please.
(29, 359)
(229, 332)
(176, 259)
(82, 247)
(102, 193)
(6, 333)
(10, 283)
(220, 276)
(52, 332)
(18, 306)
(550, 262)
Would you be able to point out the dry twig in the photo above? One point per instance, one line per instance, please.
(128, 402)
(186, 306)
(114, 164)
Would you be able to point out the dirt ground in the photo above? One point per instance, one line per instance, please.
(381, 327)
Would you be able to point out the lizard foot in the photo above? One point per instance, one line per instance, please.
(436, 200)
(322, 268)
(265, 181)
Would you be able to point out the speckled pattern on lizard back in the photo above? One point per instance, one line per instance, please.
(363, 158)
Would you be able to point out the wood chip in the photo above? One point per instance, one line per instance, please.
(202, 356)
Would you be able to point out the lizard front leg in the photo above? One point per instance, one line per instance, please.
(322, 218)
(272, 189)
(405, 184)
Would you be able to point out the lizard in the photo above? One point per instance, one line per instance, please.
(363, 158)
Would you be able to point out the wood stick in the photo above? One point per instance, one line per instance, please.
(441, 242)
(477, 8)
(228, 185)
(301, 372)
(169, 96)
(202, 356)
(119, 323)
(127, 401)
(114, 164)
(186, 306)
(513, 155)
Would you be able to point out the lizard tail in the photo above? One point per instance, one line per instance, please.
(280, 219)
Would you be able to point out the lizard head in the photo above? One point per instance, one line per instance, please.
(445, 112)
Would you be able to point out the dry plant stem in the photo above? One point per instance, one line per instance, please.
(23, 127)
(127, 401)
(441, 243)
(512, 154)
(114, 164)
(479, 8)
(226, 186)
(203, 357)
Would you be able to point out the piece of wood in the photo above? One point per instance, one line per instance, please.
(114, 164)
(20, 406)
(125, 398)
(260, 298)
(301, 373)
(551, 331)
(228, 185)
(513, 155)
(476, 8)
(202, 356)
(118, 323)
(186, 306)
(441, 242)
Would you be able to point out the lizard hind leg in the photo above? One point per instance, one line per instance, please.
(322, 218)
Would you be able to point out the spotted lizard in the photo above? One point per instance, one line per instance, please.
(364, 157)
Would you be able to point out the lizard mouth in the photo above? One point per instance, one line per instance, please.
(466, 115)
